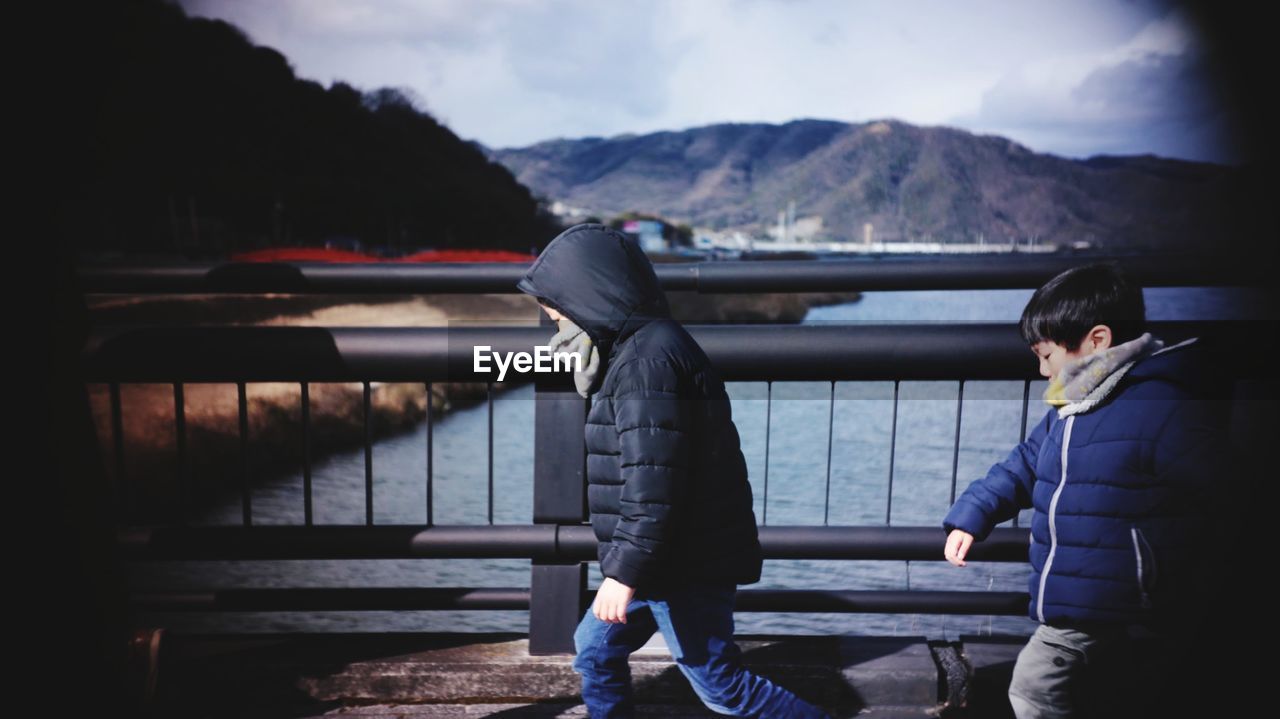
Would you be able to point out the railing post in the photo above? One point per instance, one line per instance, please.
(559, 494)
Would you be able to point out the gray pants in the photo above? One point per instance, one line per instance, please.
(1075, 673)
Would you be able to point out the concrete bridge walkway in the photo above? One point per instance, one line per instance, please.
(474, 675)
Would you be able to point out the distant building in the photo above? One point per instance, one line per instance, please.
(649, 233)
(797, 229)
(730, 240)
(568, 212)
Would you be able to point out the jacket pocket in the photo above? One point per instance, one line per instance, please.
(1146, 565)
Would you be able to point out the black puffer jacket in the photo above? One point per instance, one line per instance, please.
(667, 482)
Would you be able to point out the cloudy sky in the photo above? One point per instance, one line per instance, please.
(1074, 78)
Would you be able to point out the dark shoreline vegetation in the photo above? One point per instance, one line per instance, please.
(195, 140)
(274, 445)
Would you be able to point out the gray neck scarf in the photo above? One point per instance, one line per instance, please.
(572, 338)
(1083, 383)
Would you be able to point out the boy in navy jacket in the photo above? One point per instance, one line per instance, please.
(1122, 474)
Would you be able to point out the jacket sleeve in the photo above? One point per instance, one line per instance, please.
(654, 439)
(1003, 491)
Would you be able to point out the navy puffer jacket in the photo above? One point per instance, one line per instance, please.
(1126, 494)
(667, 483)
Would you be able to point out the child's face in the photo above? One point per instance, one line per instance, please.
(1053, 356)
(551, 312)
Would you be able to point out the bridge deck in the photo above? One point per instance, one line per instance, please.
(423, 675)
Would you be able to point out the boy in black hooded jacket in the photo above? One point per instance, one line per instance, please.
(667, 483)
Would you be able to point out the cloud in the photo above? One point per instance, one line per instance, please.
(592, 55)
(505, 71)
(1075, 78)
(1150, 94)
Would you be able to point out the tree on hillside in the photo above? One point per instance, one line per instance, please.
(206, 143)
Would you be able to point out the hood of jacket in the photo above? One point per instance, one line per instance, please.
(1205, 367)
(1087, 380)
(601, 280)
(1192, 365)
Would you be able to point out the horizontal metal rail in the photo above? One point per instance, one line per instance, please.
(500, 598)
(973, 351)
(315, 599)
(922, 273)
(546, 541)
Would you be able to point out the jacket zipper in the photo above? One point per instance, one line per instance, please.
(1137, 553)
(1053, 529)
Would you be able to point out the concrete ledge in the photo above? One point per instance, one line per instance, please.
(890, 670)
(314, 675)
(990, 660)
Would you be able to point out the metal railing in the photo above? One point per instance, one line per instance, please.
(922, 273)
(557, 542)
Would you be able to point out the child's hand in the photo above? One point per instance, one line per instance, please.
(958, 543)
(611, 601)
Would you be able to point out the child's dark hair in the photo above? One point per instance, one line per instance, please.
(1069, 305)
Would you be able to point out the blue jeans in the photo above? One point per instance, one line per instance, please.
(697, 623)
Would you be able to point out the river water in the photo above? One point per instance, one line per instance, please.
(797, 488)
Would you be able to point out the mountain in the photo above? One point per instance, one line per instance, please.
(908, 182)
